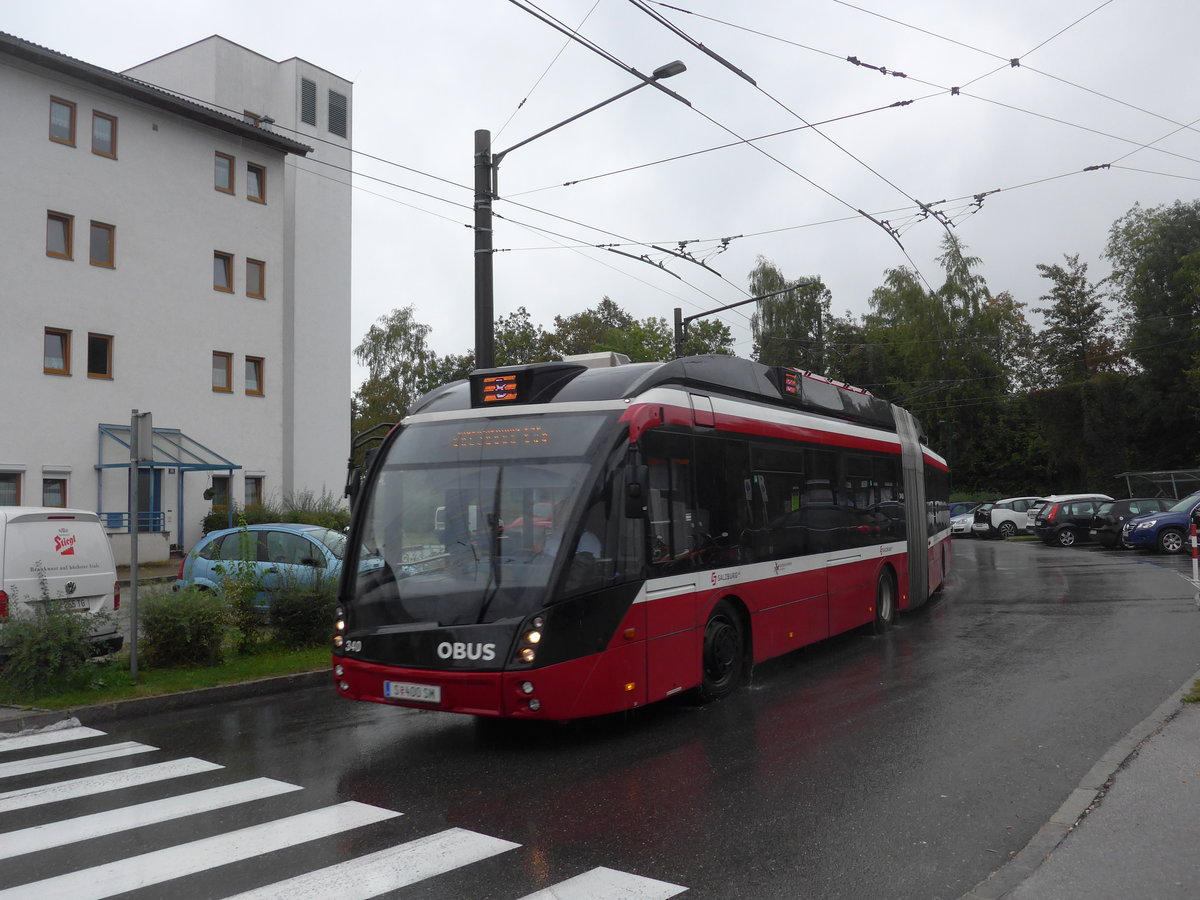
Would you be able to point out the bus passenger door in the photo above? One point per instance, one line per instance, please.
(673, 641)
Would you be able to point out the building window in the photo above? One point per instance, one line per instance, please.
(254, 375)
(103, 244)
(223, 272)
(62, 121)
(256, 182)
(308, 101)
(337, 113)
(223, 172)
(256, 278)
(254, 490)
(54, 492)
(220, 491)
(99, 356)
(10, 489)
(222, 372)
(56, 355)
(104, 135)
(58, 235)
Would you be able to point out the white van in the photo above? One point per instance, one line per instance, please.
(63, 554)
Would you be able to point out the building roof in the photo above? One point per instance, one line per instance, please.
(143, 91)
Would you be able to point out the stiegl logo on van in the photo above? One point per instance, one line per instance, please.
(64, 543)
(463, 650)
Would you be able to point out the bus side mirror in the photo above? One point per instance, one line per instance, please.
(636, 491)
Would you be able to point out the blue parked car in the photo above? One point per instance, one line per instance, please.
(282, 556)
(1167, 532)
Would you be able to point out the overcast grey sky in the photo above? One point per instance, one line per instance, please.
(1098, 82)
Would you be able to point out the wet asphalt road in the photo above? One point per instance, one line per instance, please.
(905, 766)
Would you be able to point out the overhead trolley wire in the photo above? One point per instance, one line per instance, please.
(545, 72)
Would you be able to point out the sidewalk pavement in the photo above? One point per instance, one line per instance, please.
(1131, 828)
(150, 573)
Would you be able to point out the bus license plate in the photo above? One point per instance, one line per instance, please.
(404, 690)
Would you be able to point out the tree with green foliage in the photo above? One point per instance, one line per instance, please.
(1155, 255)
(707, 337)
(949, 355)
(790, 328)
(591, 331)
(518, 341)
(400, 367)
(1076, 342)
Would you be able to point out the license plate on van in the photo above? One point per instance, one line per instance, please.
(76, 602)
(405, 690)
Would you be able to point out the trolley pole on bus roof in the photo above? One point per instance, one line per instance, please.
(487, 168)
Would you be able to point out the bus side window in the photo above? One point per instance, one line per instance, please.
(670, 500)
(721, 529)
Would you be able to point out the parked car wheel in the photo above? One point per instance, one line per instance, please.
(1065, 537)
(1170, 540)
(1007, 529)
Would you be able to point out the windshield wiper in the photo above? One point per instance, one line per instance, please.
(495, 527)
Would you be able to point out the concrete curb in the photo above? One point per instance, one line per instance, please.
(14, 719)
(1079, 802)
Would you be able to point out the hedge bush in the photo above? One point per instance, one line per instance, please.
(303, 616)
(47, 644)
(185, 628)
(304, 507)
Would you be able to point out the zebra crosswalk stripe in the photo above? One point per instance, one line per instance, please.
(603, 883)
(82, 828)
(158, 866)
(24, 798)
(387, 870)
(71, 758)
(43, 738)
(355, 879)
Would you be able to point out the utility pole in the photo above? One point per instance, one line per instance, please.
(485, 349)
(486, 165)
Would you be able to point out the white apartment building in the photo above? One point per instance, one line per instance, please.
(176, 240)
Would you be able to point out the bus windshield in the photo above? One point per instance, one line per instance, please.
(464, 519)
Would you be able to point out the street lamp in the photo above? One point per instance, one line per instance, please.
(486, 169)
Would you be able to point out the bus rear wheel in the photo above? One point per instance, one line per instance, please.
(724, 661)
(885, 602)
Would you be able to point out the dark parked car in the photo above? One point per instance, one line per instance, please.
(1067, 521)
(1166, 531)
(1111, 516)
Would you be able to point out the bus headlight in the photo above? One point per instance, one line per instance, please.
(530, 639)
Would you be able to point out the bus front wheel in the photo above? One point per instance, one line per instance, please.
(885, 602)
(724, 661)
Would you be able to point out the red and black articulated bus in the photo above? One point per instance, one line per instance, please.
(557, 540)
